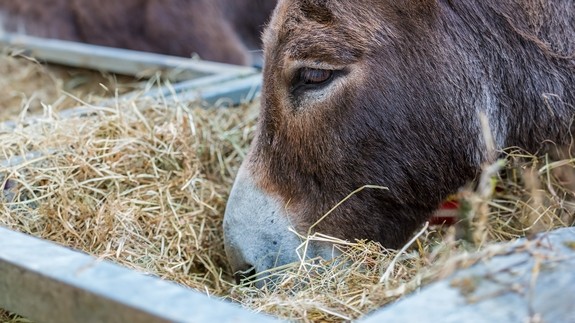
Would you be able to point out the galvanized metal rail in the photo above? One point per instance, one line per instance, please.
(526, 281)
(49, 283)
(115, 60)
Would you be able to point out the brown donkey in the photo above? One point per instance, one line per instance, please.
(389, 93)
(219, 30)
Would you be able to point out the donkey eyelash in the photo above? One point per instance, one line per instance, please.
(306, 79)
(314, 76)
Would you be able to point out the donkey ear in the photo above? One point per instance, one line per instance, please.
(317, 10)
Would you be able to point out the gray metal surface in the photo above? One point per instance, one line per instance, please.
(233, 91)
(529, 281)
(49, 283)
(218, 90)
(121, 61)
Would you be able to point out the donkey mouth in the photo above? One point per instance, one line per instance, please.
(257, 235)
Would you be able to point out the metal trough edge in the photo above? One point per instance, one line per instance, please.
(49, 283)
(530, 280)
(117, 60)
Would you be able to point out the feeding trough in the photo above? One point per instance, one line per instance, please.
(117, 147)
(53, 283)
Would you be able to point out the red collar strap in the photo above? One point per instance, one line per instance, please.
(447, 212)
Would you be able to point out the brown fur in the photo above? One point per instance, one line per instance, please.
(403, 112)
(219, 30)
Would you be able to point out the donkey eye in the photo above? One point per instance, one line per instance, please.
(314, 76)
(308, 79)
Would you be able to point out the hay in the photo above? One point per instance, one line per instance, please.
(145, 188)
(140, 182)
(12, 318)
(144, 183)
(25, 82)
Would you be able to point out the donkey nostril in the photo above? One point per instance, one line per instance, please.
(245, 276)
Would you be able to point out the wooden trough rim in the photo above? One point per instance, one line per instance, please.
(49, 283)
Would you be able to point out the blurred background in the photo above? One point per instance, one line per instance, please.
(218, 30)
